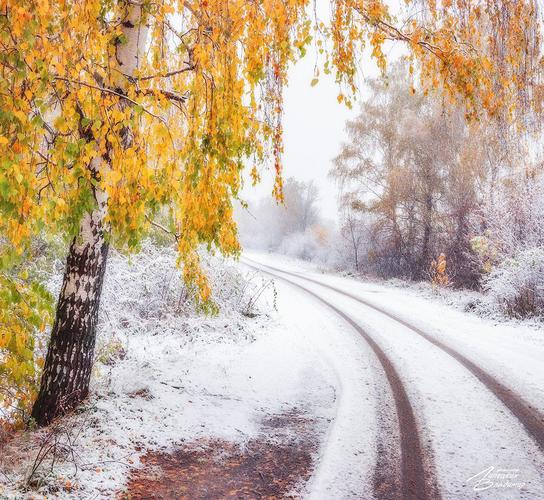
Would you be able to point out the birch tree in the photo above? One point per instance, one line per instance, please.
(67, 371)
(112, 109)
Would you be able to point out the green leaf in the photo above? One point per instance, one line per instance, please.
(72, 150)
(4, 187)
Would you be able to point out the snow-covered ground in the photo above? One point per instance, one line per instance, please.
(167, 376)
(511, 350)
(467, 428)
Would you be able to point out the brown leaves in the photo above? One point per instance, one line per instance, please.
(437, 272)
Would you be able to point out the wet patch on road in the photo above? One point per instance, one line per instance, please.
(276, 464)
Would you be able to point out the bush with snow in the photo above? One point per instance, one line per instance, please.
(162, 370)
(516, 285)
(146, 291)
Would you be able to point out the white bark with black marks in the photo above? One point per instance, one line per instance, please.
(67, 370)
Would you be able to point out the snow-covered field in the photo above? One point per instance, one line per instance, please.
(168, 376)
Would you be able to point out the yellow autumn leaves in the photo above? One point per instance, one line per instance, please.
(26, 308)
(206, 98)
(205, 101)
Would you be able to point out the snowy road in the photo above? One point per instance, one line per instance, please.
(431, 402)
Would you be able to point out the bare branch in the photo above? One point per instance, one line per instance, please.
(164, 75)
(162, 228)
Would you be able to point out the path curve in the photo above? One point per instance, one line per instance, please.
(529, 416)
(417, 478)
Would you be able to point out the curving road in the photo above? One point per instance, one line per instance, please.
(461, 431)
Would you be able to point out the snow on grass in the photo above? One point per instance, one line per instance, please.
(166, 374)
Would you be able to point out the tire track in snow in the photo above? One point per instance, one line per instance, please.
(529, 416)
(417, 478)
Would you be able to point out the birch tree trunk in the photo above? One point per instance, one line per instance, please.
(67, 370)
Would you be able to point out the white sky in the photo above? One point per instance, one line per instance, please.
(313, 131)
(314, 125)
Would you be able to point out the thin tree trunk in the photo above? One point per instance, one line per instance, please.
(67, 370)
(427, 228)
(355, 246)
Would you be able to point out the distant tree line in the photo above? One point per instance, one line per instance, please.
(418, 181)
(294, 227)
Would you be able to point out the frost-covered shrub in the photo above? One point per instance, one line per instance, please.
(150, 286)
(144, 294)
(516, 285)
(511, 247)
(301, 245)
(515, 220)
